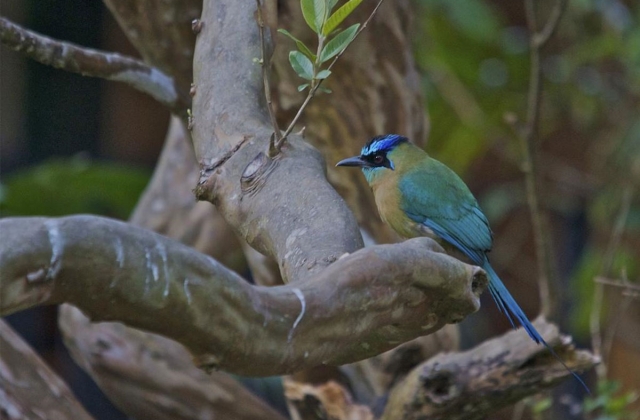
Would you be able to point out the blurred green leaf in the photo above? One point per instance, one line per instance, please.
(314, 12)
(65, 186)
(323, 74)
(303, 87)
(301, 46)
(606, 405)
(339, 43)
(340, 15)
(542, 405)
(301, 64)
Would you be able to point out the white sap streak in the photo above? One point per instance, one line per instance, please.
(119, 259)
(154, 269)
(147, 258)
(57, 247)
(162, 251)
(119, 252)
(187, 292)
(303, 304)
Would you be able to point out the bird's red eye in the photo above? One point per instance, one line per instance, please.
(378, 159)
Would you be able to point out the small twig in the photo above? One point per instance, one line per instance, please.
(531, 153)
(607, 265)
(619, 283)
(629, 292)
(315, 86)
(541, 38)
(265, 81)
(90, 62)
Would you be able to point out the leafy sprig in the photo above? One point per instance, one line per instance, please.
(332, 43)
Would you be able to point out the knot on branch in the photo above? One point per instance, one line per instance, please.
(440, 385)
(256, 173)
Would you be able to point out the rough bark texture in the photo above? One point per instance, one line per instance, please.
(161, 31)
(493, 375)
(373, 378)
(29, 389)
(157, 379)
(379, 297)
(168, 207)
(169, 379)
(329, 401)
(303, 224)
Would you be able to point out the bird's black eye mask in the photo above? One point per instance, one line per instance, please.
(378, 160)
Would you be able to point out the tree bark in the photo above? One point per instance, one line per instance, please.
(499, 372)
(151, 377)
(361, 305)
(29, 389)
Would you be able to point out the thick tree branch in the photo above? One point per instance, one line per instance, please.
(145, 375)
(167, 205)
(359, 306)
(284, 207)
(151, 377)
(89, 62)
(491, 376)
(29, 389)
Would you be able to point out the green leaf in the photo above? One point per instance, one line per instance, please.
(303, 87)
(323, 74)
(301, 64)
(340, 15)
(303, 48)
(339, 43)
(324, 89)
(314, 12)
(332, 4)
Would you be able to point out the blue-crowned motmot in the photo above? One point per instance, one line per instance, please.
(420, 196)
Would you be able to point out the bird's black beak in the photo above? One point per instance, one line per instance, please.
(353, 161)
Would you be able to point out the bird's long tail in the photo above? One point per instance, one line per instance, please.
(507, 305)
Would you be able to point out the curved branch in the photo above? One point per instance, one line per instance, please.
(90, 62)
(359, 306)
(29, 389)
(491, 376)
(151, 377)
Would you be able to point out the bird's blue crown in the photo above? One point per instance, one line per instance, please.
(382, 144)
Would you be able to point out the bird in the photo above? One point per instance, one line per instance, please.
(417, 195)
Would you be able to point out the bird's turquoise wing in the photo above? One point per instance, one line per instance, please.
(436, 197)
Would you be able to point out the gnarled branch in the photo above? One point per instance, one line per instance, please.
(151, 377)
(90, 62)
(284, 207)
(359, 306)
(493, 375)
(29, 389)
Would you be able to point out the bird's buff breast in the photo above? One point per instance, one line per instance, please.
(388, 203)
